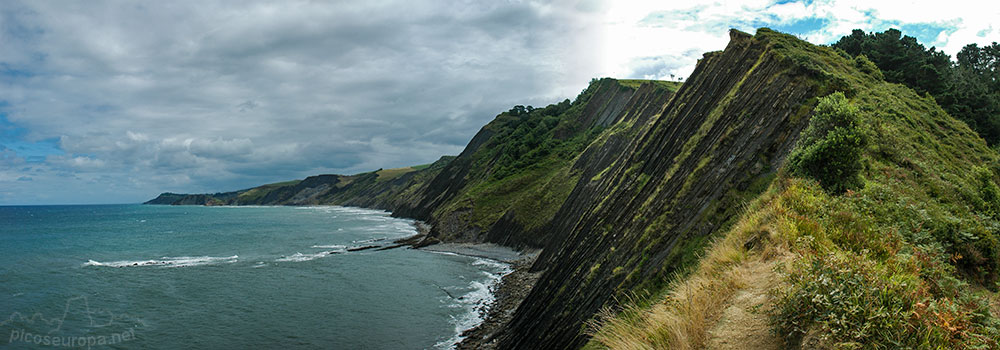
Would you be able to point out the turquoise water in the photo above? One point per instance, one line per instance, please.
(161, 277)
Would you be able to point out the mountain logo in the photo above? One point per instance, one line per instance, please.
(77, 326)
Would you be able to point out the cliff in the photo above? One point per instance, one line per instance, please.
(878, 231)
(382, 189)
(625, 187)
(504, 187)
(659, 196)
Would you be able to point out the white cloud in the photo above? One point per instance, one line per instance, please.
(215, 95)
(675, 34)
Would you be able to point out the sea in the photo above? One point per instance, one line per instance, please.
(192, 277)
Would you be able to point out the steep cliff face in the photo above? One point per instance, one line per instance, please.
(504, 187)
(166, 198)
(886, 210)
(382, 189)
(480, 198)
(665, 191)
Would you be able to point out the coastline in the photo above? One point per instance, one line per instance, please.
(508, 293)
(490, 251)
(423, 241)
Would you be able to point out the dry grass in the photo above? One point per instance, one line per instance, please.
(743, 284)
(721, 304)
(742, 323)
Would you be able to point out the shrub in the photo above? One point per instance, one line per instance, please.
(847, 301)
(867, 66)
(988, 190)
(844, 302)
(830, 148)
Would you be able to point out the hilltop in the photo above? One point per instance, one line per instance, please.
(903, 253)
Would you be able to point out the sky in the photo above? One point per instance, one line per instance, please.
(116, 102)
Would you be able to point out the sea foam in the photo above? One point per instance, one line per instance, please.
(330, 246)
(370, 240)
(477, 301)
(180, 261)
(299, 257)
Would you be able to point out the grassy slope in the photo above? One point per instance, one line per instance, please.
(258, 192)
(533, 190)
(907, 261)
(385, 188)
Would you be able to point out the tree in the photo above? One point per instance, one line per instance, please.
(968, 90)
(974, 94)
(901, 58)
(983, 61)
(830, 148)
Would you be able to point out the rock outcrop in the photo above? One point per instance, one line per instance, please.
(662, 192)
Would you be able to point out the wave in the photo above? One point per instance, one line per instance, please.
(375, 218)
(391, 224)
(477, 301)
(299, 257)
(180, 261)
(370, 240)
(331, 246)
(501, 267)
(346, 210)
(388, 230)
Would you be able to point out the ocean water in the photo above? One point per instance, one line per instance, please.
(162, 277)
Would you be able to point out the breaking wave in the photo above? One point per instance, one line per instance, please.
(180, 261)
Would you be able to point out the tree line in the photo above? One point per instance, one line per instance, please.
(967, 88)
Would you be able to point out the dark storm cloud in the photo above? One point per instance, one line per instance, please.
(206, 96)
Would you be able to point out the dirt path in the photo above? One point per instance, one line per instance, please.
(743, 321)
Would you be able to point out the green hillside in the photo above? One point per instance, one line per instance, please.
(518, 168)
(906, 257)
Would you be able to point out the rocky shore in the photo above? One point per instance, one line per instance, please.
(509, 293)
(512, 289)
(481, 250)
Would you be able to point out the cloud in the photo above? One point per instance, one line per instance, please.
(657, 39)
(216, 95)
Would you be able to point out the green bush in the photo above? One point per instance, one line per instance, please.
(988, 190)
(867, 66)
(846, 301)
(830, 148)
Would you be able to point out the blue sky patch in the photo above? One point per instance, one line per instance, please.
(6, 71)
(12, 137)
(926, 33)
(782, 2)
(803, 26)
